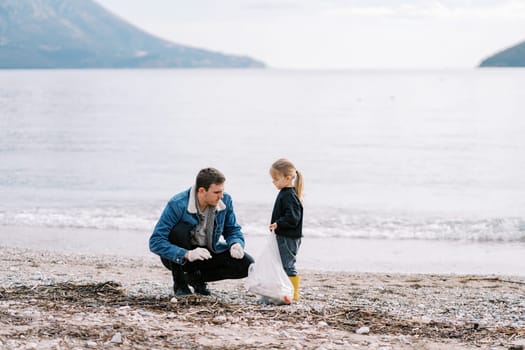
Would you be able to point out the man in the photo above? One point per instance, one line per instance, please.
(187, 236)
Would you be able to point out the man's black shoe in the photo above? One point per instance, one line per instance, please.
(199, 286)
(180, 282)
(181, 291)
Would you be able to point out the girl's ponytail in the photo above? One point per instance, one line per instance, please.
(299, 185)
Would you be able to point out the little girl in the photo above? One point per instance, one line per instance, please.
(287, 216)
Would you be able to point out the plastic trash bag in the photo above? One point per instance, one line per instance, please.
(267, 278)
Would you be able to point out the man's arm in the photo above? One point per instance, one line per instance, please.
(159, 243)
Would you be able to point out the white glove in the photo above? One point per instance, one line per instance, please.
(198, 254)
(236, 251)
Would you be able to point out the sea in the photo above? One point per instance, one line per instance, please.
(390, 155)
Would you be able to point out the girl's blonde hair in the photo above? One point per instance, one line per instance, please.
(286, 168)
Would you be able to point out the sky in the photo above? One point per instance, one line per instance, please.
(336, 34)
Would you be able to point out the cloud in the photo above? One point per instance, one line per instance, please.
(445, 10)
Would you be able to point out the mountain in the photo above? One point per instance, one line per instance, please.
(82, 34)
(511, 57)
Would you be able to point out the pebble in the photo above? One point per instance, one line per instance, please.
(37, 276)
(31, 314)
(363, 330)
(219, 319)
(91, 344)
(322, 324)
(284, 334)
(122, 313)
(117, 338)
(146, 313)
(426, 319)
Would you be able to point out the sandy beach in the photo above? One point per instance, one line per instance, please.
(51, 300)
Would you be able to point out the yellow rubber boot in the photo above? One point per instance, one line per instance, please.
(295, 282)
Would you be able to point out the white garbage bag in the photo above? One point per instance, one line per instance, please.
(267, 278)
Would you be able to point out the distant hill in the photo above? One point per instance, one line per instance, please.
(82, 34)
(511, 57)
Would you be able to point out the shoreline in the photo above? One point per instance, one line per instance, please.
(322, 254)
(51, 300)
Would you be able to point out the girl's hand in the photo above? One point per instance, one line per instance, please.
(273, 226)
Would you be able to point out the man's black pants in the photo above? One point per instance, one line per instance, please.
(220, 267)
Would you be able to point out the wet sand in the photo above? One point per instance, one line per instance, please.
(326, 254)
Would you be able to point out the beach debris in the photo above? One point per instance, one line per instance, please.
(363, 330)
(78, 299)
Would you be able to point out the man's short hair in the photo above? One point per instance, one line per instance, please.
(208, 176)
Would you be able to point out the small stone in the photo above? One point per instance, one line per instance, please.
(219, 319)
(171, 316)
(173, 300)
(426, 319)
(31, 314)
(37, 276)
(31, 346)
(284, 334)
(363, 330)
(145, 313)
(117, 338)
(91, 344)
(322, 324)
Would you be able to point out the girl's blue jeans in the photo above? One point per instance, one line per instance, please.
(288, 249)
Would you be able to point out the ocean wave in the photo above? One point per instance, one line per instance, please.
(319, 225)
(90, 218)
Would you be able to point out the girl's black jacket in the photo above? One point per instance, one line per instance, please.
(288, 214)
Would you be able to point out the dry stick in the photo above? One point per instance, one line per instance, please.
(198, 311)
(237, 310)
(490, 279)
(511, 281)
(335, 315)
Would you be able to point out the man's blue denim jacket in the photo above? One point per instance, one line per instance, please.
(183, 207)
